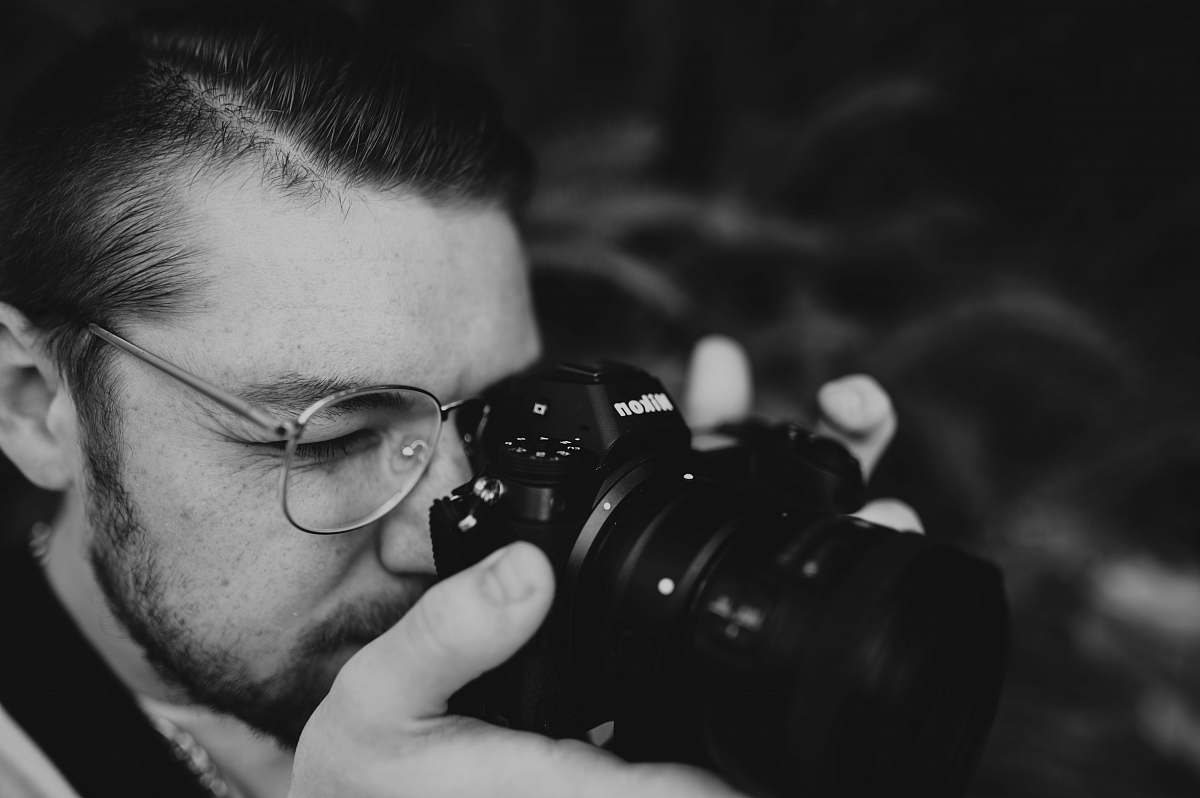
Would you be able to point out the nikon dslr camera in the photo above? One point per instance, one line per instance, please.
(720, 607)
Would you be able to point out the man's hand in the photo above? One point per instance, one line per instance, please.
(383, 731)
(854, 411)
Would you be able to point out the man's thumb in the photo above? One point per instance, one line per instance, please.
(460, 628)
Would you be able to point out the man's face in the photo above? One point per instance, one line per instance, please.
(230, 601)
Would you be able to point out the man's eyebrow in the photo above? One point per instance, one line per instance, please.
(292, 393)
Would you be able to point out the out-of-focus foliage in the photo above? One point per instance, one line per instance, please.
(986, 205)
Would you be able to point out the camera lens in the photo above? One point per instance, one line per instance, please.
(802, 653)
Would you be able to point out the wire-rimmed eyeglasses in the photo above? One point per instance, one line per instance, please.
(348, 458)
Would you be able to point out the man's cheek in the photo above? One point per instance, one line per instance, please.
(228, 561)
(215, 558)
(203, 505)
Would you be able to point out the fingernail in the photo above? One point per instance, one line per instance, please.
(843, 403)
(855, 404)
(508, 577)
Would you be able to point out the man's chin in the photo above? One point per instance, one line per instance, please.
(279, 703)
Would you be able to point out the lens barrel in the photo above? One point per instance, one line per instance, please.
(877, 667)
(794, 654)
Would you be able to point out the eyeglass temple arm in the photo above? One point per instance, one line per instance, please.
(224, 398)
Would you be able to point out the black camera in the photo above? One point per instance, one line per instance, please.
(719, 606)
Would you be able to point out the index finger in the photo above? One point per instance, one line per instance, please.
(858, 413)
(719, 388)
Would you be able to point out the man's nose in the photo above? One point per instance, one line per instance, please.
(403, 542)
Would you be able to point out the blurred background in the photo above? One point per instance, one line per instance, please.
(988, 206)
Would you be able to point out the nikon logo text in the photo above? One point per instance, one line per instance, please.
(649, 403)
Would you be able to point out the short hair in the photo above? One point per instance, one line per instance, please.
(89, 231)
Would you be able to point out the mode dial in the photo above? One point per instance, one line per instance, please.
(540, 458)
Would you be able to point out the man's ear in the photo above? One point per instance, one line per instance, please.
(37, 416)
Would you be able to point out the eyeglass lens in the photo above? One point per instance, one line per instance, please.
(357, 457)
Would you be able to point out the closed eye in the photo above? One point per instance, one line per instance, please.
(348, 445)
(316, 452)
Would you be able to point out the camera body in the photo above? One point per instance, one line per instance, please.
(718, 606)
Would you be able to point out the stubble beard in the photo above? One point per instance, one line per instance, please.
(124, 562)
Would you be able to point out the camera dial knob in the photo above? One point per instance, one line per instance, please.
(485, 492)
(488, 489)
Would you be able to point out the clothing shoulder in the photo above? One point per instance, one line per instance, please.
(25, 772)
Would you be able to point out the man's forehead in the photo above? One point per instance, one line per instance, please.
(380, 289)
(272, 250)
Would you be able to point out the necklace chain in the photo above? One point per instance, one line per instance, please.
(39, 541)
(195, 757)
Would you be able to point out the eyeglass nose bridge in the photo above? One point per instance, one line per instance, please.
(470, 423)
(449, 407)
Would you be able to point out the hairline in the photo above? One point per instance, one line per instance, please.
(170, 181)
